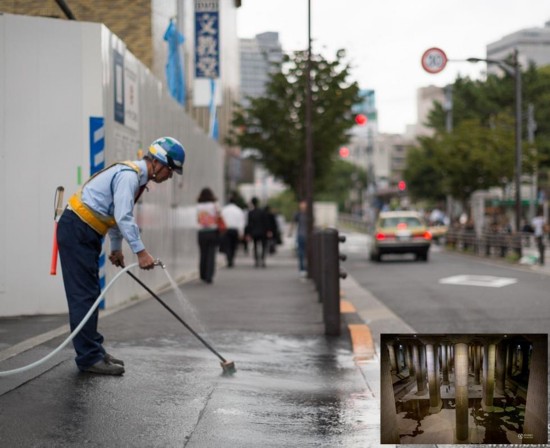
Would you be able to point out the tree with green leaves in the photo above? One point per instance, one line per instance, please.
(479, 152)
(274, 124)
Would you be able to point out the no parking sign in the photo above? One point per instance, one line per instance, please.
(434, 60)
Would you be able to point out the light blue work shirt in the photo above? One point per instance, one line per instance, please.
(112, 193)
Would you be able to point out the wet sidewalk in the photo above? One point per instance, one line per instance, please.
(294, 386)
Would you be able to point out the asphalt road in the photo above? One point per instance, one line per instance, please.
(413, 291)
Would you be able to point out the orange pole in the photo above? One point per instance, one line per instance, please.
(53, 266)
(58, 202)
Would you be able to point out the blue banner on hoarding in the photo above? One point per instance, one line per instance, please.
(207, 39)
(118, 60)
(97, 144)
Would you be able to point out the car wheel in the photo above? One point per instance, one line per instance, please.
(423, 256)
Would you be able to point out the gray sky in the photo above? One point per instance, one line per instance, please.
(385, 39)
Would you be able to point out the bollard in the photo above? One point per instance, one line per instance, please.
(315, 272)
(330, 280)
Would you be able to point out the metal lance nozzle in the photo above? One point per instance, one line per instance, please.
(159, 263)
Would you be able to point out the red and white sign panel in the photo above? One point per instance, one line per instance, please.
(434, 60)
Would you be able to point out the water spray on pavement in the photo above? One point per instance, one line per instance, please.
(228, 367)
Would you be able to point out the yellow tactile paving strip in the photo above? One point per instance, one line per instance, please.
(362, 342)
(347, 307)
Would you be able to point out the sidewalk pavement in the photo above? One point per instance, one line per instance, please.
(294, 386)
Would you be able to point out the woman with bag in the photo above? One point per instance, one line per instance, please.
(210, 222)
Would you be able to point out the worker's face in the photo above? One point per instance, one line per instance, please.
(162, 172)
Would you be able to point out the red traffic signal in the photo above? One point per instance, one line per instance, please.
(361, 119)
(401, 185)
(344, 152)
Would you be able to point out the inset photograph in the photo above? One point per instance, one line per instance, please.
(464, 388)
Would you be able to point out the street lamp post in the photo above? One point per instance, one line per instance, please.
(513, 68)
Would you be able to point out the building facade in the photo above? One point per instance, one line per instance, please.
(259, 56)
(533, 45)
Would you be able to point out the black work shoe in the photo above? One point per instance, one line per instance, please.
(113, 360)
(105, 368)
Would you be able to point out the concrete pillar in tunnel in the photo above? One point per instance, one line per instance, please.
(461, 392)
(444, 365)
(489, 352)
(389, 431)
(535, 427)
(515, 360)
(432, 360)
(391, 352)
(410, 362)
(477, 367)
(525, 348)
(500, 368)
(420, 384)
(510, 360)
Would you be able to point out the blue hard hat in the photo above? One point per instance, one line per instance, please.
(169, 152)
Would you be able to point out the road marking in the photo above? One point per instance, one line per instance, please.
(487, 281)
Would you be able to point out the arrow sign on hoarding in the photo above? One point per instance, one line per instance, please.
(434, 60)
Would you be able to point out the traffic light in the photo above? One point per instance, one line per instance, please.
(401, 185)
(361, 119)
(344, 152)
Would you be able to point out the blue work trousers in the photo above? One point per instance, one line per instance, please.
(79, 250)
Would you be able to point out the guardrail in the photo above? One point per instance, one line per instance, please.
(499, 244)
(354, 223)
(488, 244)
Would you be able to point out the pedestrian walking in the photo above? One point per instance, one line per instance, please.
(273, 229)
(208, 237)
(299, 223)
(539, 232)
(104, 204)
(234, 218)
(257, 228)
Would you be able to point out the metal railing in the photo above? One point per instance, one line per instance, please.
(490, 244)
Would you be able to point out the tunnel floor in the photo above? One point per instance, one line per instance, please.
(502, 426)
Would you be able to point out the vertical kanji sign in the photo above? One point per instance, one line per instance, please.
(207, 39)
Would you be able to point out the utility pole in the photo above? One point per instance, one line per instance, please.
(517, 76)
(531, 128)
(448, 107)
(309, 147)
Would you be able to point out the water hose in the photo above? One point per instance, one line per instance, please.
(75, 331)
(227, 366)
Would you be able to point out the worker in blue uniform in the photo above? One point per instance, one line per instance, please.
(104, 204)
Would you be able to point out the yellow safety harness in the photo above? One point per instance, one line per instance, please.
(100, 223)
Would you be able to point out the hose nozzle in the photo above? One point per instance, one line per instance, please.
(159, 263)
